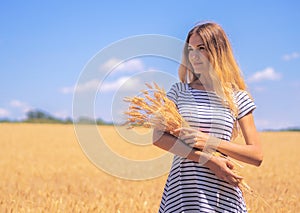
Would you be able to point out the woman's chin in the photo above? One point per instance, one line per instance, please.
(197, 75)
(197, 72)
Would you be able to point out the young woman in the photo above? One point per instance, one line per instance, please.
(212, 98)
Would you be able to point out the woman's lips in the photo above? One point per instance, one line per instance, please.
(197, 63)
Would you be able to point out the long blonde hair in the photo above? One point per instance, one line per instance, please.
(225, 72)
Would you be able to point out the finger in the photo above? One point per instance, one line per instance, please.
(177, 130)
(187, 137)
(184, 137)
(234, 175)
(229, 164)
(238, 177)
(181, 131)
(190, 142)
(229, 179)
(198, 145)
(186, 129)
(182, 134)
(232, 181)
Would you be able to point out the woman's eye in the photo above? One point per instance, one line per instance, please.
(201, 48)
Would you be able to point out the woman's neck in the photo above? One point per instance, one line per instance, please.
(202, 84)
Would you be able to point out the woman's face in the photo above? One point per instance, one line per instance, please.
(198, 55)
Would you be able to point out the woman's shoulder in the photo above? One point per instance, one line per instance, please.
(245, 103)
(179, 86)
(241, 94)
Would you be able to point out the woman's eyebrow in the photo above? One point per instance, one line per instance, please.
(201, 44)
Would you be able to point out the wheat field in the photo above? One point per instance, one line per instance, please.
(43, 169)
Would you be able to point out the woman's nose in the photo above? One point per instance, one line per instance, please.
(195, 55)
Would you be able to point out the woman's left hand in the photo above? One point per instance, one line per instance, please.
(192, 137)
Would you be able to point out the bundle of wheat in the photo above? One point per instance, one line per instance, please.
(157, 111)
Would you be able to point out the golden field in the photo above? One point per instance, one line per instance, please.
(43, 169)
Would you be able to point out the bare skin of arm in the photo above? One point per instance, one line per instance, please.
(221, 167)
(250, 153)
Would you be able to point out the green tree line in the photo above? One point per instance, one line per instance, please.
(40, 116)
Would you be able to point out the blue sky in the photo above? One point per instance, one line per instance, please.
(45, 45)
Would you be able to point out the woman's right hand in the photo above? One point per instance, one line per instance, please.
(223, 169)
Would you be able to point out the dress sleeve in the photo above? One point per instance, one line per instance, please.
(172, 94)
(245, 104)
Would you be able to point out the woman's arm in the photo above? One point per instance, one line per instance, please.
(172, 144)
(221, 167)
(251, 152)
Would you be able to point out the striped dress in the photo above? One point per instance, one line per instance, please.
(191, 187)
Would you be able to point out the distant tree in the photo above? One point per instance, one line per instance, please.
(4, 120)
(89, 120)
(68, 120)
(99, 121)
(85, 120)
(39, 116)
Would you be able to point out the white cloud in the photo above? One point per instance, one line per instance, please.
(4, 112)
(114, 85)
(93, 85)
(266, 74)
(127, 83)
(24, 107)
(111, 63)
(116, 65)
(88, 86)
(67, 90)
(288, 57)
(83, 87)
(133, 65)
